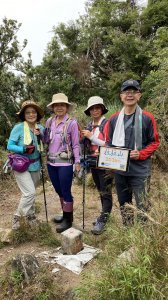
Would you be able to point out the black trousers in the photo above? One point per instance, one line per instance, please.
(126, 186)
(103, 181)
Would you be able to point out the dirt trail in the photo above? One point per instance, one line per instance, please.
(8, 204)
(9, 201)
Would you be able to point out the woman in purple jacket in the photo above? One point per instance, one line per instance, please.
(61, 135)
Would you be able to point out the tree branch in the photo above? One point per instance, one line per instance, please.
(7, 119)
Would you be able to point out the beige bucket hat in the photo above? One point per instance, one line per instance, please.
(60, 98)
(94, 101)
(33, 104)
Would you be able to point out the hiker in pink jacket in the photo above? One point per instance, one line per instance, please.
(61, 135)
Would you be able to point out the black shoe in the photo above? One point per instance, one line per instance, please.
(66, 223)
(63, 226)
(57, 219)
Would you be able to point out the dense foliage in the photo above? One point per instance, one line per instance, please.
(111, 42)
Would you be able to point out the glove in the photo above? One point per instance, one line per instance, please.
(29, 149)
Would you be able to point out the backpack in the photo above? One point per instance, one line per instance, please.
(89, 127)
(47, 131)
(101, 126)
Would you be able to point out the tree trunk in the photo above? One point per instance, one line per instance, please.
(7, 119)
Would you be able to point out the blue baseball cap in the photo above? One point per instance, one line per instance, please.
(130, 84)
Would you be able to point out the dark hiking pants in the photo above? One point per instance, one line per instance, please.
(126, 186)
(103, 181)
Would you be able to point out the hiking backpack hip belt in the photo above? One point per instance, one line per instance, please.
(61, 157)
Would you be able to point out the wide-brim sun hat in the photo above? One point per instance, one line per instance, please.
(30, 103)
(60, 98)
(95, 100)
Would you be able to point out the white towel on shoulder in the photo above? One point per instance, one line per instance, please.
(119, 132)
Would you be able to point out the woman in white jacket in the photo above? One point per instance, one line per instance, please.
(102, 178)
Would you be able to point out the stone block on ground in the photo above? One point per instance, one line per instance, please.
(27, 265)
(128, 256)
(71, 241)
(5, 235)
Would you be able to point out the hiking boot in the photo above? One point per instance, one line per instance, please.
(103, 217)
(57, 219)
(100, 224)
(66, 223)
(32, 220)
(16, 223)
(98, 228)
(31, 217)
(142, 219)
(94, 222)
(97, 220)
(127, 215)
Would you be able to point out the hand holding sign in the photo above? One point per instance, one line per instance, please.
(114, 158)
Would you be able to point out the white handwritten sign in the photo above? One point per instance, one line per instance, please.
(113, 158)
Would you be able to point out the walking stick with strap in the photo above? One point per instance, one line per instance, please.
(42, 176)
(84, 181)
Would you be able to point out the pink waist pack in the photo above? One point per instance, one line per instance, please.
(19, 162)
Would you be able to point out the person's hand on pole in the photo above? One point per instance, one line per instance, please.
(86, 133)
(36, 131)
(77, 167)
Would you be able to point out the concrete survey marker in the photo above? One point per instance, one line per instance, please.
(71, 241)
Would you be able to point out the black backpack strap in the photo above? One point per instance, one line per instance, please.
(89, 126)
(129, 122)
(101, 127)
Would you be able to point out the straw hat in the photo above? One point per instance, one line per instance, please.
(60, 98)
(95, 100)
(33, 104)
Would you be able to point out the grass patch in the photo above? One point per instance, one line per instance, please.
(38, 206)
(146, 275)
(41, 233)
(46, 287)
(42, 286)
(89, 181)
(46, 236)
(11, 283)
(141, 278)
(2, 245)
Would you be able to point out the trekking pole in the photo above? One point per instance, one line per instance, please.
(42, 177)
(84, 181)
